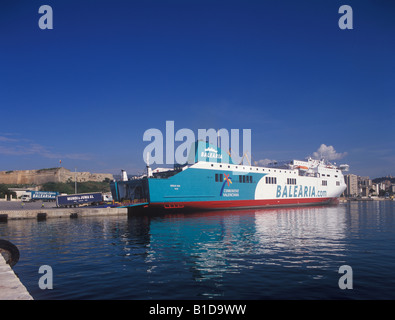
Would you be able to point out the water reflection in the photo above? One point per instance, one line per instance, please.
(302, 235)
(251, 254)
(215, 243)
(370, 216)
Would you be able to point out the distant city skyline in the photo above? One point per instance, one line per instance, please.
(87, 90)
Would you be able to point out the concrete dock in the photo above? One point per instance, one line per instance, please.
(44, 213)
(11, 288)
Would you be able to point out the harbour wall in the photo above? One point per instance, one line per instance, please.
(43, 214)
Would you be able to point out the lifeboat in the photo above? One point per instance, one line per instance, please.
(302, 168)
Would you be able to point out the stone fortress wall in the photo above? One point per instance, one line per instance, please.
(42, 176)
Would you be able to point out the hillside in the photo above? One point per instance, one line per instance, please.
(42, 176)
(378, 180)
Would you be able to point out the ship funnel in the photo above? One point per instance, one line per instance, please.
(124, 175)
(149, 170)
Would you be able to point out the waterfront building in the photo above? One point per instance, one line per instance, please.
(376, 188)
(352, 185)
(364, 182)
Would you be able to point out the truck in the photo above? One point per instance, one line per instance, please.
(32, 195)
(76, 200)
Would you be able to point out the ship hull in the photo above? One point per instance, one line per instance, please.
(240, 204)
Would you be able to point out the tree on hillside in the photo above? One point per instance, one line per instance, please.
(382, 179)
(4, 191)
(82, 187)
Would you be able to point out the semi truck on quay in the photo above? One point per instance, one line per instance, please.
(30, 196)
(76, 200)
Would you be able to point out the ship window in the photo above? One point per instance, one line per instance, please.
(221, 178)
(271, 180)
(323, 175)
(228, 166)
(324, 182)
(328, 175)
(212, 165)
(338, 183)
(216, 177)
(245, 179)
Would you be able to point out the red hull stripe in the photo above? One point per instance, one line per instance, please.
(240, 203)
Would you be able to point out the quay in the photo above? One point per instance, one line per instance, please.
(11, 288)
(46, 213)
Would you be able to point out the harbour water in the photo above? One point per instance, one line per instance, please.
(287, 253)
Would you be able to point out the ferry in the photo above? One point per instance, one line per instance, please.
(213, 181)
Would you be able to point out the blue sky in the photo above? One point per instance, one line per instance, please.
(86, 91)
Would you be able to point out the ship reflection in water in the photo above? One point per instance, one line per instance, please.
(216, 244)
(287, 253)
